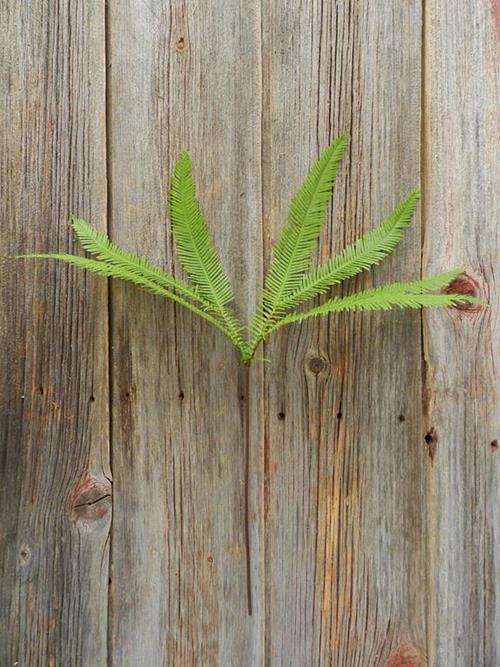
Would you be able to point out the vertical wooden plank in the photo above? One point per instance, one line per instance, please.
(462, 181)
(55, 490)
(344, 457)
(183, 75)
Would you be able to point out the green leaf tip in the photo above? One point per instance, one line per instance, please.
(290, 282)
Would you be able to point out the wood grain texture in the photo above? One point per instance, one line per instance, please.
(374, 457)
(184, 75)
(344, 457)
(55, 492)
(462, 181)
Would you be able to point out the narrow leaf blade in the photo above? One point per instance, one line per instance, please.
(367, 251)
(292, 254)
(418, 294)
(195, 249)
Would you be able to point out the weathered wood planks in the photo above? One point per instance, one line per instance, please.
(183, 75)
(374, 484)
(53, 327)
(345, 506)
(461, 179)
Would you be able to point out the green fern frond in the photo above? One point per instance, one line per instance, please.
(306, 215)
(100, 245)
(195, 249)
(364, 253)
(110, 271)
(289, 282)
(424, 285)
(403, 295)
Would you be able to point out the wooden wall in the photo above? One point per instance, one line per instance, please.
(374, 487)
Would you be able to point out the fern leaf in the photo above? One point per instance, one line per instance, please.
(417, 294)
(196, 251)
(367, 251)
(292, 254)
(423, 285)
(109, 270)
(98, 244)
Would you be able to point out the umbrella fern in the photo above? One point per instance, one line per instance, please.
(290, 281)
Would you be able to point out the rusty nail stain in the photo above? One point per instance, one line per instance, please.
(464, 284)
(236, 549)
(431, 440)
(494, 445)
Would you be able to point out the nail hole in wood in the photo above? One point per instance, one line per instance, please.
(281, 415)
(431, 440)
(180, 45)
(402, 418)
(181, 395)
(494, 445)
(92, 399)
(339, 415)
(24, 555)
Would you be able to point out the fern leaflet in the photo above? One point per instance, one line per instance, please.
(98, 244)
(196, 251)
(292, 254)
(367, 251)
(110, 271)
(403, 295)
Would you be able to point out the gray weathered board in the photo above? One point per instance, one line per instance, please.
(374, 490)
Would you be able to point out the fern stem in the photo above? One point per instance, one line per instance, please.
(246, 430)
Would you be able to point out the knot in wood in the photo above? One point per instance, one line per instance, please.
(465, 284)
(90, 499)
(24, 555)
(180, 44)
(406, 655)
(317, 365)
